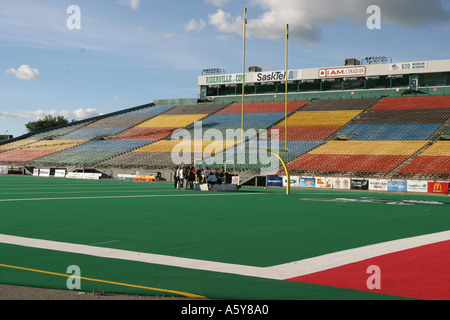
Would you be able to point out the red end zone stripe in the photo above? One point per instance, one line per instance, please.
(420, 273)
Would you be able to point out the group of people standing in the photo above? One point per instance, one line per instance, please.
(187, 176)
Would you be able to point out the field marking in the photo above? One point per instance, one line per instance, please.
(85, 191)
(341, 258)
(136, 196)
(185, 294)
(278, 272)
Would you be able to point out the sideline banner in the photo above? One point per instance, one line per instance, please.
(438, 187)
(144, 178)
(417, 186)
(3, 170)
(307, 182)
(323, 182)
(60, 173)
(397, 185)
(81, 175)
(378, 184)
(341, 183)
(44, 173)
(294, 181)
(274, 181)
(359, 184)
(125, 177)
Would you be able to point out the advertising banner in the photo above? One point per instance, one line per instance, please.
(294, 181)
(438, 187)
(342, 72)
(359, 184)
(44, 173)
(274, 181)
(417, 186)
(397, 185)
(3, 170)
(60, 173)
(323, 182)
(341, 183)
(378, 184)
(251, 77)
(35, 172)
(125, 177)
(81, 175)
(307, 182)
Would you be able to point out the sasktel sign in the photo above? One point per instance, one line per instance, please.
(251, 77)
(342, 72)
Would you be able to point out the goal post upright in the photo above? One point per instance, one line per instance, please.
(274, 152)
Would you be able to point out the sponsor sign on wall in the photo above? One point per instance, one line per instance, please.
(252, 77)
(438, 187)
(44, 173)
(3, 170)
(60, 173)
(378, 184)
(417, 186)
(397, 185)
(341, 183)
(82, 175)
(324, 182)
(307, 182)
(342, 72)
(359, 184)
(294, 181)
(407, 66)
(273, 181)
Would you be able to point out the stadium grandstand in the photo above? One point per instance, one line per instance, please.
(388, 120)
(384, 128)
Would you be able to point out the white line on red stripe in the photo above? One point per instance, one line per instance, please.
(279, 272)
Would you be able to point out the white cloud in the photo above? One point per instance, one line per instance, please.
(78, 114)
(4, 115)
(225, 22)
(168, 35)
(218, 3)
(134, 4)
(195, 25)
(81, 114)
(306, 18)
(25, 72)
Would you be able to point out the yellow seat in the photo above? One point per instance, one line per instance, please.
(172, 121)
(321, 118)
(381, 148)
(439, 149)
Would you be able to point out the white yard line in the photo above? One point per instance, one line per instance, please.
(337, 259)
(279, 272)
(135, 196)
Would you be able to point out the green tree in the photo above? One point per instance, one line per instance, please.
(47, 122)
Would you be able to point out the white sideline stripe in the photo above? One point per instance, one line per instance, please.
(136, 196)
(341, 258)
(279, 272)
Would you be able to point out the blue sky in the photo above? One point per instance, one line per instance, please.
(132, 52)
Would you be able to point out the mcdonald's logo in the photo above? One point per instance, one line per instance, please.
(438, 187)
